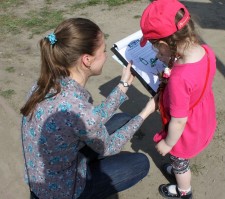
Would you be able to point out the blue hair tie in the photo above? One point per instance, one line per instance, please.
(52, 39)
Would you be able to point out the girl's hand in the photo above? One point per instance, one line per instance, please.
(163, 148)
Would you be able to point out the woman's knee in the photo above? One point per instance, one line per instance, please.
(139, 164)
(144, 161)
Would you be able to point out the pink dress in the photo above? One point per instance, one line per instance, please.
(183, 90)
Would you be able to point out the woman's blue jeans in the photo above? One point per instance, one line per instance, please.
(114, 173)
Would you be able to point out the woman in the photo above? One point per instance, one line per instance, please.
(72, 148)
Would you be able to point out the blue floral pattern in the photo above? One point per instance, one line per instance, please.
(60, 127)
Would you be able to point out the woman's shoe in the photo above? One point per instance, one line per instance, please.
(164, 192)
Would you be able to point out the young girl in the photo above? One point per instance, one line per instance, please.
(64, 134)
(186, 97)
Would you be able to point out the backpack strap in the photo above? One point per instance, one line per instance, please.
(206, 80)
(165, 118)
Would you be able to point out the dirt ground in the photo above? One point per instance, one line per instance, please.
(19, 68)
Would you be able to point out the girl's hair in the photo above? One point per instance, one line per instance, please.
(182, 37)
(74, 37)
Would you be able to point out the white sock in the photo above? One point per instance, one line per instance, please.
(172, 189)
(183, 191)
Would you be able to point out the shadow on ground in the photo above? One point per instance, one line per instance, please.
(143, 139)
(215, 19)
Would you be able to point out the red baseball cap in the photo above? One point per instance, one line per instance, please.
(158, 19)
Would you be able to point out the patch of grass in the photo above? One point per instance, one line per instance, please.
(106, 35)
(48, 1)
(43, 20)
(10, 69)
(85, 4)
(10, 23)
(97, 2)
(37, 21)
(137, 16)
(7, 93)
(4, 4)
(118, 2)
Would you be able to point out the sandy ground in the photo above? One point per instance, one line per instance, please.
(21, 52)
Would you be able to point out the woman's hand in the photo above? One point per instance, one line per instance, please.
(150, 107)
(163, 148)
(126, 77)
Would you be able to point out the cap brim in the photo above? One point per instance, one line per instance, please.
(143, 41)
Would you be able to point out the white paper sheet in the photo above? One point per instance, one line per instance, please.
(130, 49)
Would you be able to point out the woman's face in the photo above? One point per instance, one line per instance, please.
(99, 57)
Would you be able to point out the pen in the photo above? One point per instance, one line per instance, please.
(153, 61)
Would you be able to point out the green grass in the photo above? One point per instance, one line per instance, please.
(10, 69)
(7, 93)
(36, 21)
(97, 2)
(49, 1)
(106, 35)
(118, 2)
(43, 20)
(137, 16)
(4, 4)
(10, 23)
(40, 21)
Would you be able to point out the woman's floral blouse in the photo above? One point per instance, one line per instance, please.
(60, 126)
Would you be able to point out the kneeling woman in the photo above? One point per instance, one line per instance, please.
(71, 147)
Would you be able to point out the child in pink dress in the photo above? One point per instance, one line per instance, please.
(186, 97)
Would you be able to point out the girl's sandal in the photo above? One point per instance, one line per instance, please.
(164, 192)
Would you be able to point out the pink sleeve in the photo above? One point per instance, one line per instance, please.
(180, 90)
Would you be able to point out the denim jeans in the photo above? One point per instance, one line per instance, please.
(114, 173)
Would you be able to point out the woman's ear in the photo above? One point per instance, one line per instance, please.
(86, 60)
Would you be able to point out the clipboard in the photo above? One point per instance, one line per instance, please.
(144, 67)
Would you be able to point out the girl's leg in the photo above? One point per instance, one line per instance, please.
(182, 172)
(114, 174)
(184, 180)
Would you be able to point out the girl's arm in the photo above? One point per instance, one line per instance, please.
(175, 130)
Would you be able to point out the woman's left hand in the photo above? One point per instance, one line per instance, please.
(163, 148)
(127, 75)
